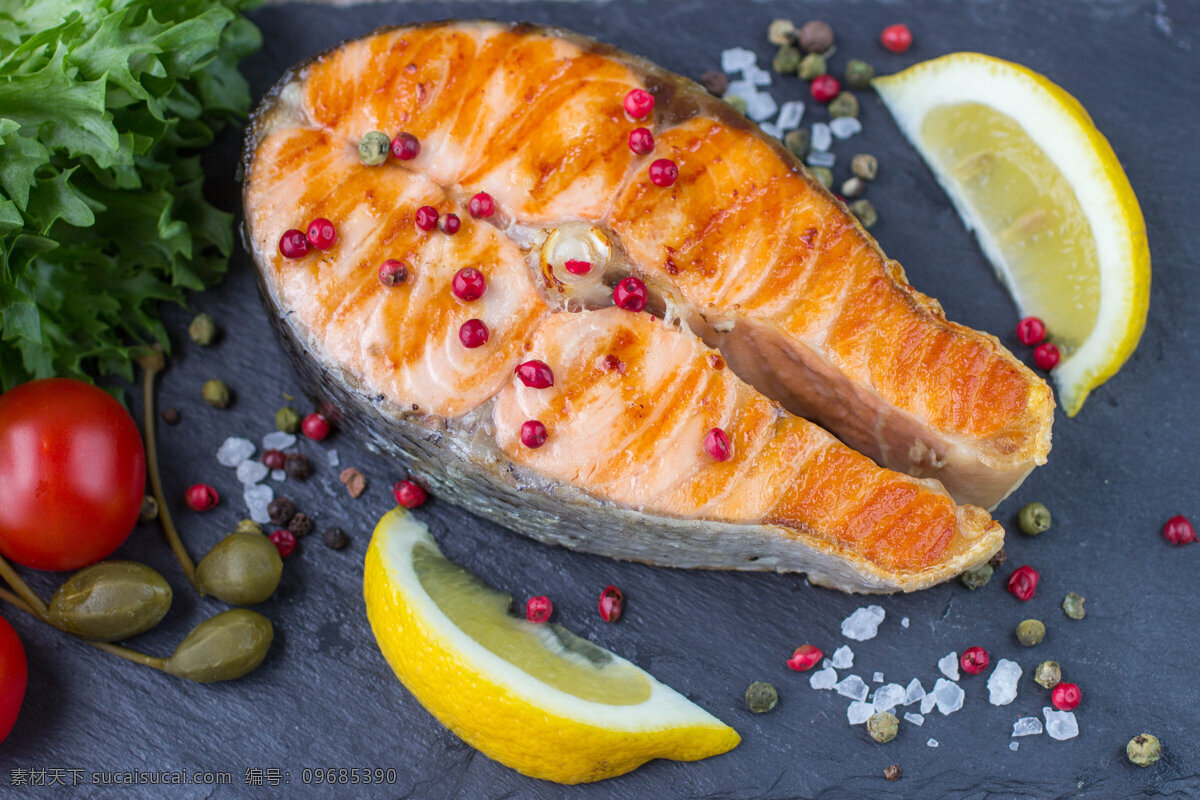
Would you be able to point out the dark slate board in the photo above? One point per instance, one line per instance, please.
(326, 698)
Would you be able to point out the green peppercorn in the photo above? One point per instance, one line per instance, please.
(373, 149)
(883, 726)
(865, 166)
(110, 601)
(242, 569)
(1143, 749)
(761, 697)
(811, 66)
(1033, 519)
(786, 61)
(974, 578)
(859, 74)
(223, 647)
(798, 142)
(844, 105)
(823, 176)
(1048, 674)
(737, 102)
(203, 330)
(149, 511)
(248, 526)
(216, 393)
(853, 186)
(781, 31)
(865, 211)
(287, 419)
(815, 36)
(1031, 632)
(1073, 606)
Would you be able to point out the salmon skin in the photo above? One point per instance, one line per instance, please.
(855, 413)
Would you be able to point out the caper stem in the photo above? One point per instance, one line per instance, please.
(36, 606)
(123, 652)
(151, 365)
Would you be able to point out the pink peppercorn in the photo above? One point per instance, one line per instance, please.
(1046, 356)
(1179, 530)
(315, 426)
(538, 609)
(663, 172)
(533, 434)
(321, 234)
(824, 88)
(805, 657)
(612, 602)
(1023, 583)
(405, 146)
(392, 272)
(293, 244)
(481, 206)
(974, 660)
(426, 218)
(641, 141)
(201, 497)
(638, 103)
(473, 333)
(896, 38)
(284, 541)
(468, 284)
(535, 374)
(449, 224)
(1066, 696)
(409, 493)
(716, 444)
(1031, 331)
(630, 294)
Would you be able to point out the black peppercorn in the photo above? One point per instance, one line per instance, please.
(715, 82)
(298, 466)
(335, 538)
(300, 525)
(170, 416)
(281, 511)
(998, 560)
(893, 772)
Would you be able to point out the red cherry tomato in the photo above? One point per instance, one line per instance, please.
(13, 674)
(72, 474)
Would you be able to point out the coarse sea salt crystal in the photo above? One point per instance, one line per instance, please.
(915, 719)
(844, 127)
(278, 475)
(1027, 726)
(771, 129)
(853, 687)
(843, 657)
(863, 624)
(826, 663)
(928, 702)
(826, 160)
(913, 692)
(757, 75)
(949, 696)
(904, 622)
(1013, 746)
(932, 742)
(332, 455)
(877, 677)
(888, 696)
(278, 440)
(790, 114)
(822, 137)
(258, 496)
(859, 712)
(742, 89)
(1002, 683)
(736, 59)
(1060, 725)
(251, 471)
(761, 106)
(234, 451)
(948, 664)
(823, 679)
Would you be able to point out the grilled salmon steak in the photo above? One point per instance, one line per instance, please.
(766, 393)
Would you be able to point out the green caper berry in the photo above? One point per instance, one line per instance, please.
(216, 393)
(242, 569)
(865, 166)
(1073, 606)
(248, 526)
(287, 419)
(373, 149)
(761, 697)
(859, 74)
(823, 176)
(865, 211)
(1031, 632)
(1033, 519)
(844, 105)
(1048, 674)
(110, 601)
(798, 142)
(974, 578)
(737, 102)
(811, 66)
(149, 511)
(203, 330)
(883, 726)
(786, 61)
(223, 647)
(853, 187)
(1143, 749)
(781, 31)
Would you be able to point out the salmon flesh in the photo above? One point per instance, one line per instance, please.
(867, 433)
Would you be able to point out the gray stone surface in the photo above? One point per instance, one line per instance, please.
(326, 698)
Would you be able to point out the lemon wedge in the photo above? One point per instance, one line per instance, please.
(1044, 193)
(536, 698)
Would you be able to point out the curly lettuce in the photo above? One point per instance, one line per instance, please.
(103, 105)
